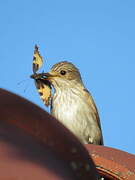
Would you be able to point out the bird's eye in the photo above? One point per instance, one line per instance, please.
(62, 72)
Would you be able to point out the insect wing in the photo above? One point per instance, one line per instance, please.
(37, 60)
(44, 91)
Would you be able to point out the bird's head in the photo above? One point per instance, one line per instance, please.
(64, 74)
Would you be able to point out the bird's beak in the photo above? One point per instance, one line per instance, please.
(42, 76)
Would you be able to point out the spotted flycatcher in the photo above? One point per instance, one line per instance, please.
(72, 104)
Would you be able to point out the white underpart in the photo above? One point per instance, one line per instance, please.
(64, 108)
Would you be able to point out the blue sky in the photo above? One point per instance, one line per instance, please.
(97, 36)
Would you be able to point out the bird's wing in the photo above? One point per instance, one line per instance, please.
(91, 103)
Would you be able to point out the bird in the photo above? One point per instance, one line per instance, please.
(72, 104)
